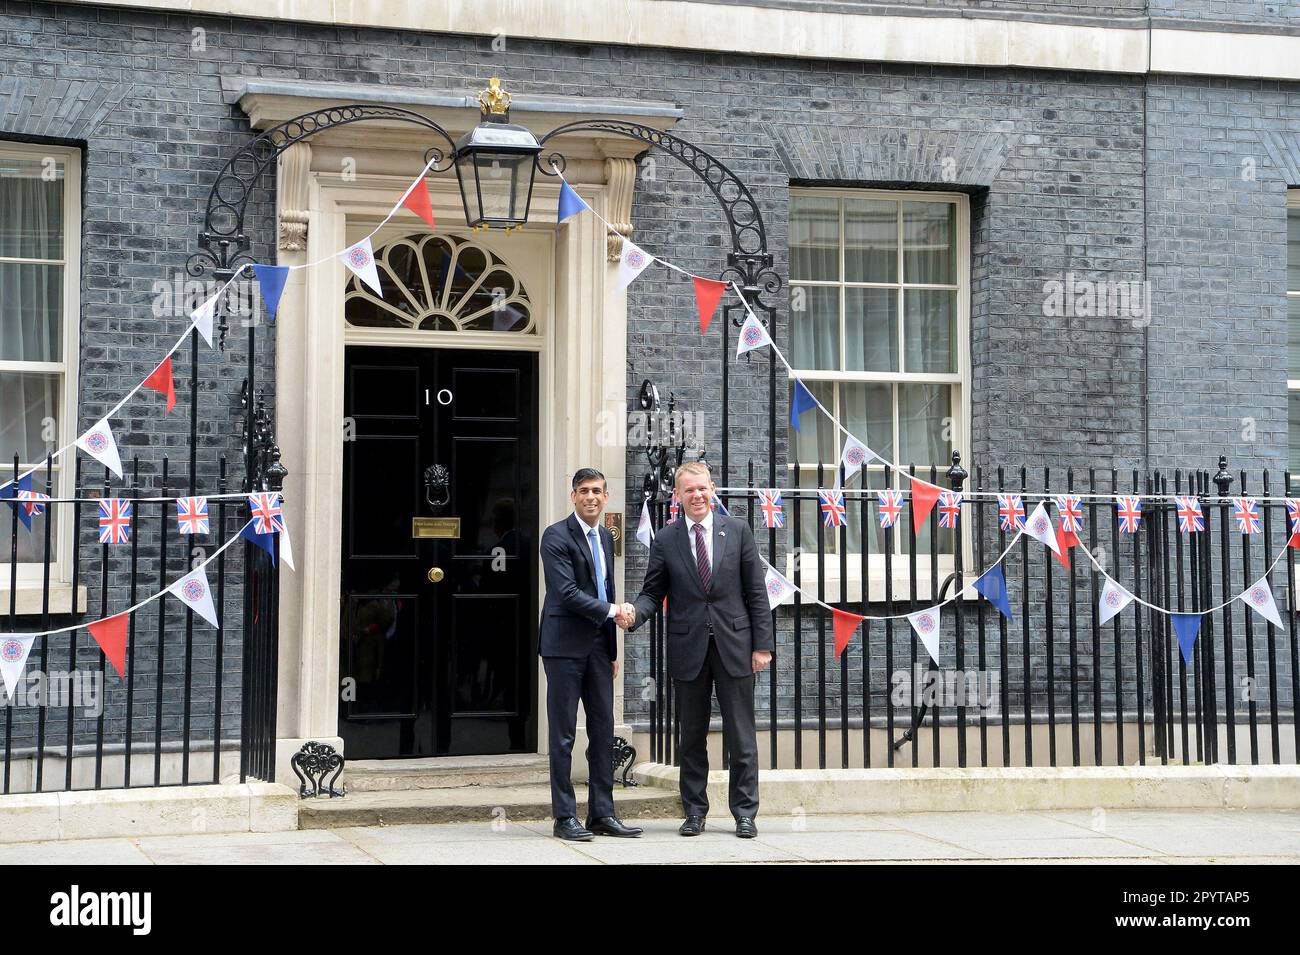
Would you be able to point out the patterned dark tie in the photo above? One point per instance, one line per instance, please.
(702, 558)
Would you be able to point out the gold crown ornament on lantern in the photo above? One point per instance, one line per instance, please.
(494, 100)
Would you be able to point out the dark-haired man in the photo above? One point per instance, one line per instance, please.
(579, 650)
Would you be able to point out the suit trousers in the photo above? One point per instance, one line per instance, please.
(736, 700)
(568, 680)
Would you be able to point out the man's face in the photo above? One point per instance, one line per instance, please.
(694, 491)
(589, 499)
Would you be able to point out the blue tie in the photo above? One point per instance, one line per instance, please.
(599, 562)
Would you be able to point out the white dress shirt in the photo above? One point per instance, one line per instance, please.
(599, 555)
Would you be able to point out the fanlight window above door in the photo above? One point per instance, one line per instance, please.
(440, 283)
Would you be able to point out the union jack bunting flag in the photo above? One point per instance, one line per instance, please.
(1246, 513)
(114, 521)
(31, 502)
(891, 507)
(267, 517)
(192, 515)
(769, 504)
(949, 508)
(832, 508)
(1293, 513)
(1190, 519)
(674, 508)
(1130, 514)
(1011, 512)
(1070, 507)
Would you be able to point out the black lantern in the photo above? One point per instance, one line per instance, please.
(494, 165)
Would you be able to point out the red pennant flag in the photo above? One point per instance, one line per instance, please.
(846, 624)
(1064, 540)
(708, 293)
(110, 634)
(1294, 541)
(924, 496)
(417, 200)
(161, 381)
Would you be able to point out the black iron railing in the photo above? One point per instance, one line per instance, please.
(1053, 686)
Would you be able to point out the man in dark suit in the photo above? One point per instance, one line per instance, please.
(579, 650)
(719, 637)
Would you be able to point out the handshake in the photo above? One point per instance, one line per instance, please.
(624, 615)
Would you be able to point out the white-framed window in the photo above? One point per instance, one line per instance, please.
(879, 332)
(1293, 325)
(40, 274)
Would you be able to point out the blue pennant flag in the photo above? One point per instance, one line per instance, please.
(570, 203)
(271, 278)
(800, 401)
(265, 541)
(993, 585)
(718, 506)
(11, 491)
(1186, 625)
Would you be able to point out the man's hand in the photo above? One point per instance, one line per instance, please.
(625, 616)
(759, 660)
(616, 669)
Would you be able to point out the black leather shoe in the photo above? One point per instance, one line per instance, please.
(693, 826)
(612, 826)
(745, 828)
(568, 828)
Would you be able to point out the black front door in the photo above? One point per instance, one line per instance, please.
(438, 634)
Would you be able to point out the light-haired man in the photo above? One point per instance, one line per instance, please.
(719, 637)
(579, 650)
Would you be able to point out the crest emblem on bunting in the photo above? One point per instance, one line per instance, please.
(1042, 525)
(11, 650)
(193, 590)
(359, 257)
(1130, 514)
(96, 442)
(1258, 596)
(832, 504)
(751, 336)
(1011, 512)
(925, 623)
(1115, 598)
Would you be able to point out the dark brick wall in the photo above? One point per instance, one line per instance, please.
(1053, 162)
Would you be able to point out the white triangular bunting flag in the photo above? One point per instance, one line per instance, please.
(360, 258)
(1260, 598)
(778, 588)
(1040, 526)
(752, 335)
(202, 318)
(645, 531)
(286, 546)
(1114, 598)
(99, 443)
(854, 456)
(632, 263)
(194, 591)
(926, 625)
(14, 648)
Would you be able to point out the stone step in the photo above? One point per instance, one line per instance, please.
(448, 772)
(471, 804)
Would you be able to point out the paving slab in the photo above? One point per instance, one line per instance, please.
(72, 852)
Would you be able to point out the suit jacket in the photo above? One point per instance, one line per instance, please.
(736, 605)
(573, 617)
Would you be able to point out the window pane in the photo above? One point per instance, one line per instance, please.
(1293, 250)
(868, 413)
(870, 240)
(814, 239)
(31, 208)
(814, 442)
(815, 327)
(28, 401)
(924, 413)
(31, 307)
(930, 332)
(871, 329)
(927, 243)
